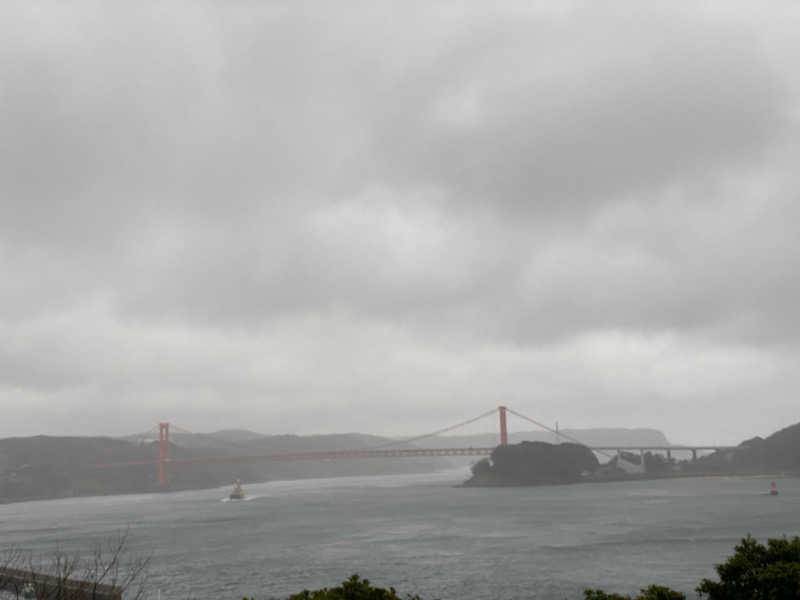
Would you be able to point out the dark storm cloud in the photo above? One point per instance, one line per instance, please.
(304, 210)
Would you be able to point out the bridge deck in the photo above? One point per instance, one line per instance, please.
(389, 453)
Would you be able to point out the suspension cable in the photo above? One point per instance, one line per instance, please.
(177, 429)
(437, 432)
(557, 433)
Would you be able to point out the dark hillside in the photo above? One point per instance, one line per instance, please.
(535, 463)
(50, 467)
(780, 452)
(44, 467)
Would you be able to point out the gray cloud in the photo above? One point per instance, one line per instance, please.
(275, 216)
(553, 118)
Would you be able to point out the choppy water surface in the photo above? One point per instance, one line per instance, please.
(421, 534)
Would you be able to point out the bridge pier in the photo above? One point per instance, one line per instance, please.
(694, 454)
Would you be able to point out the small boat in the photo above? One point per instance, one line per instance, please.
(238, 492)
(773, 489)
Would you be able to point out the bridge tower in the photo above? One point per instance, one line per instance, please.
(503, 429)
(163, 452)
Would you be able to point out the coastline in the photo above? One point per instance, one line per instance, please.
(627, 478)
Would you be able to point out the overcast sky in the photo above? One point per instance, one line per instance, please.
(388, 217)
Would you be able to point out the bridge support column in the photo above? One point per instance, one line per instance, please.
(163, 452)
(694, 454)
(669, 455)
(503, 428)
(641, 456)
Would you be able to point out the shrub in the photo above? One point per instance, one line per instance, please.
(354, 588)
(757, 572)
(654, 592)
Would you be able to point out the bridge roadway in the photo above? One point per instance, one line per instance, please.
(164, 459)
(412, 452)
(668, 450)
(340, 454)
(362, 453)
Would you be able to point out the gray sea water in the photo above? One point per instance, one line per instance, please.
(421, 534)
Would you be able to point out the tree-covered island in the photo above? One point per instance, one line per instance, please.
(541, 463)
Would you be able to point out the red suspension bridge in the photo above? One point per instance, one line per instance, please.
(386, 450)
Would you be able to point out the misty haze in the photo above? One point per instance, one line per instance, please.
(470, 300)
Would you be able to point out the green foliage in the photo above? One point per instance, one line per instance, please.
(654, 592)
(659, 592)
(354, 588)
(601, 595)
(757, 572)
(482, 467)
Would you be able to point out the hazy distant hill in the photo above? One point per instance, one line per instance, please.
(235, 439)
(589, 437)
(235, 435)
(52, 467)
